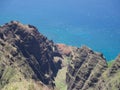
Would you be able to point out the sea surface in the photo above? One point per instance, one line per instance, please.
(104, 40)
(93, 23)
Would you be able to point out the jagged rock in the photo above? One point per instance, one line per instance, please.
(85, 69)
(29, 61)
(24, 50)
(110, 80)
(64, 49)
(88, 70)
(115, 67)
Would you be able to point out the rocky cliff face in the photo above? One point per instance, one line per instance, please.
(88, 70)
(26, 54)
(85, 69)
(29, 61)
(110, 79)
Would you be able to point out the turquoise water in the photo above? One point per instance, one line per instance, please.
(80, 22)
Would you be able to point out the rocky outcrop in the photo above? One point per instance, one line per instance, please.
(24, 51)
(30, 60)
(85, 69)
(115, 67)
(65, 52)
(64, 49)
(88, 70)
(110, 80)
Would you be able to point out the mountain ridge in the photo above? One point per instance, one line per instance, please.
(27, 56)
(38, 52)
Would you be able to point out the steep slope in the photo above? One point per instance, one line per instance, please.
(85, 69)
(110, 79)
(25, 54)
(29, 61)
(65, 52)
(88, 70)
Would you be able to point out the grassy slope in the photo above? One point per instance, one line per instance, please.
(11, 76)
(110, 63)
(111, 82)
(23, 85)
(60, 79)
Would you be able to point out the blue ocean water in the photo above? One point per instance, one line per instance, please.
(104, 40)
(80, 22)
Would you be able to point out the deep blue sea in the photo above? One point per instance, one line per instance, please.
(93, 23)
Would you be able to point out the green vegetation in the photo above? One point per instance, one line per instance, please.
(112, 82)
(31, 87)
(6, 76)
(60, 79)
(110, 63)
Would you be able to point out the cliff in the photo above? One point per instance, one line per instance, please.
(25, 54)
(29, 61)
(85, 69)
(110, 79)
(88, 70)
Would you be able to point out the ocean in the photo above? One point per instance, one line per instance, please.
(93, 23)
(105, 40)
